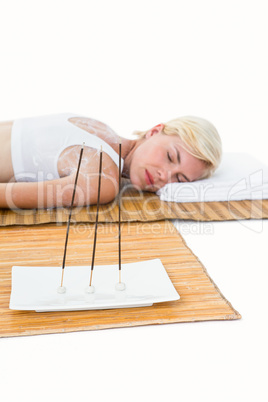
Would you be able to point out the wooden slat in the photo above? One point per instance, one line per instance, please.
(43, 245)
(142, 207)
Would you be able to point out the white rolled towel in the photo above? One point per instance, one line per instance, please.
(240, 176)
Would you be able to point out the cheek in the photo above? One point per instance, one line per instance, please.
(155, 155)
(149, 156)
(140, 159)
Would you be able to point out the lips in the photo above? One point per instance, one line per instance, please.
(149, 178)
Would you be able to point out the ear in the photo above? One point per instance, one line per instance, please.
(155, 130)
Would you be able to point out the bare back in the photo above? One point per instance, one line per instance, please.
(59, 192)
(90, 125)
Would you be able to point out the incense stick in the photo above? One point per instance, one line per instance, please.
(97, 218)
(120, 285)
(119, 215)
(70, 214)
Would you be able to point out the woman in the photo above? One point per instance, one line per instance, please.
(39, 158)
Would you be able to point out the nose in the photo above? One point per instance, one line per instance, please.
(165, 174)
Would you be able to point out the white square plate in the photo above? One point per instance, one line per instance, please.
(35, 288)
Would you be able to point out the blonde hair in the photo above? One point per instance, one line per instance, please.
(200, 137)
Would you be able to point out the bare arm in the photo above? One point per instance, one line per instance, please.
(35, 195)
(57, 193)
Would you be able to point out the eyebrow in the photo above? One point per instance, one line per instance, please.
(179, 160)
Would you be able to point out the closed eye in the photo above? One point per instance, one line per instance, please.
(170, 159)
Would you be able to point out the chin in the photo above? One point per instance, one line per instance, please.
(150, 189)
(136, 185)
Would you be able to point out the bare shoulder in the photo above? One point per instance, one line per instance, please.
(89, 177)
(89, 173)
(89, 169)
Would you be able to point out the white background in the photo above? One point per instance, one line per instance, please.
(134, 64)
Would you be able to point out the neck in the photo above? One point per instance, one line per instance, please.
(128, 149)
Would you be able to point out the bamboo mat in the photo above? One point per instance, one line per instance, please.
(43, 245)
(142, 207)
